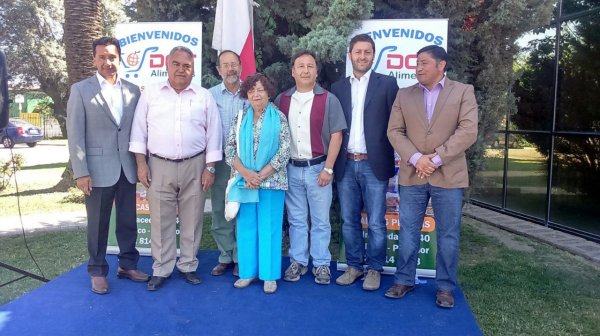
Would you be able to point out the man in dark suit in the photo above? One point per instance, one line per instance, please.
(365, 162)
(99, 116)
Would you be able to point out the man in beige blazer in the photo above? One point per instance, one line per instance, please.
(431, 126)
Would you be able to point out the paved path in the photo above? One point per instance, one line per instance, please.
(561, 240)
(11, 225)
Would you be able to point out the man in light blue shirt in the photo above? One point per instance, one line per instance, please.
(228, 100)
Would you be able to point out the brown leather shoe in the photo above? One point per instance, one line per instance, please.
(397, 291)
(220, 269)
(99, 285)
(444, 299)
(133, 275)
(236, 270)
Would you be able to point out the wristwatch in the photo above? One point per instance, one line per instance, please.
(328, 170)
(210, 169)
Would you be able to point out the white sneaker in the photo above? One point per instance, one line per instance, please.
(270, 287)
(243, 283)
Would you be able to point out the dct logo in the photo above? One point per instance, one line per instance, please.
(396, 61)
(133, 62)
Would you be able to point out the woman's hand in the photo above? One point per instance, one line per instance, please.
(252, 178)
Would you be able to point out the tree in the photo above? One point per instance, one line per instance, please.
(83, 25)
(31, 32)
(577, 101)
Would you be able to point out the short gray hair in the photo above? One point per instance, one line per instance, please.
(183, 49)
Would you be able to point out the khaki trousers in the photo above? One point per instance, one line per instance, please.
(176, 190)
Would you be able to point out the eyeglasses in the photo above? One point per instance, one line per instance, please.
(234, 65)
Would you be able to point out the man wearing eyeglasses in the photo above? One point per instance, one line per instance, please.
(176, 137)
(316, 123)
(229, 102)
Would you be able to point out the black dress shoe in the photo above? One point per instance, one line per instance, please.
(191, 277)
(155, 283)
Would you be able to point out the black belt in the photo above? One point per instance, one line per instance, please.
(177, 160)
(357, 156)
(308, 163)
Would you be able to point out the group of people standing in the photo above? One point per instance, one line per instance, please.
(284, 150)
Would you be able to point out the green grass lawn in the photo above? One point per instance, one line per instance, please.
(527, 288)
(515, 286)
(35, 192)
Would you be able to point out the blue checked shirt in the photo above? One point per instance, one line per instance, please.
(229, 105)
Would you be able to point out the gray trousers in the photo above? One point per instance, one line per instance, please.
(222, 231)
(176, 191)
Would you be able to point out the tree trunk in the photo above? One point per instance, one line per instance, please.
(83, 24)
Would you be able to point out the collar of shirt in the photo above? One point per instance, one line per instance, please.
(441, 84)
(224, 90)
(317, 90)
(103, 82)
(366, 76)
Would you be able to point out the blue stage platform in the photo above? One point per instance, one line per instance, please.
(66, 306)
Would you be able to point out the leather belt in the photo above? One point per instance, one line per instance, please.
(357, 156)
(308, 163)
(177, 160)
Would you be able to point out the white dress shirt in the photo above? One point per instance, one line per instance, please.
(113, 95)
(176, 126)
(299, 121)
(356, 141)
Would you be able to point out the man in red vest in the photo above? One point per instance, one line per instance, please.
(316, 122)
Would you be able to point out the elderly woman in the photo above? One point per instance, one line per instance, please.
(258, 150)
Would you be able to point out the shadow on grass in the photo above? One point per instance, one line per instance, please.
(50, 190)
(46, 166)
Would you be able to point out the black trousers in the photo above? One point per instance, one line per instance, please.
(99, 206)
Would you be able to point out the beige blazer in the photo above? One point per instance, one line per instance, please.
(452, 130)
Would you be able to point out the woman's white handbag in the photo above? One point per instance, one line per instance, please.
(231, 207)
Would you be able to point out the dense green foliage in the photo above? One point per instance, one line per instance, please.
(481, 42)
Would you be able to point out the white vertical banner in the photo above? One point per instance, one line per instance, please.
(145, 48)
(397, 43)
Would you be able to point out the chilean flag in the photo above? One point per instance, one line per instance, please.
(234, 31)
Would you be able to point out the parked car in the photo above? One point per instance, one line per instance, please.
(19, 131)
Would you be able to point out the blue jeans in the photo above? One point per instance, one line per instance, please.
(303, 197)
(447, 209)
(359, 188)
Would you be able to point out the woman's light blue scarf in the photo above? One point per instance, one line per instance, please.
(268, 145)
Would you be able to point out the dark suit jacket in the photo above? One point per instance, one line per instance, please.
(379, 99)
(98, 146)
